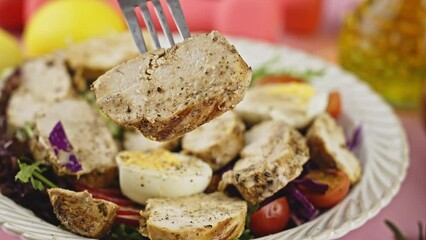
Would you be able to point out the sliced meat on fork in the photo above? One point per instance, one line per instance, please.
(169, 92)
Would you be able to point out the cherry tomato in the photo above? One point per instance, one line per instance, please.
(338, 186)
(334, 104)
(271, 79)
(271, 218)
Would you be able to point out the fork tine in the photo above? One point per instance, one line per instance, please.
(128, 9)
(179, 18)
(163, 21)
(149, 24)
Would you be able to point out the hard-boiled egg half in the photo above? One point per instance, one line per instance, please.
(295, 103)
(160, 173)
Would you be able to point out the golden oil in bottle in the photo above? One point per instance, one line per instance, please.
(384, 43)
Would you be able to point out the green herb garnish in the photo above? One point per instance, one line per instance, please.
(24, 133)
(121, 231)
(33, 173)
(246, 235)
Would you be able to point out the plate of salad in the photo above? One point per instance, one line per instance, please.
(311, 152)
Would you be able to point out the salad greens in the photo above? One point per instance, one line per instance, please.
(24, 133)
(121, 231)
(33, 173)
(247, 234)
(268, 68)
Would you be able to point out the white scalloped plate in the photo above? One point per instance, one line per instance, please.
(384, 154)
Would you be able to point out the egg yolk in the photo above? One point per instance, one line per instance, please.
(158, 159)
(303, 90)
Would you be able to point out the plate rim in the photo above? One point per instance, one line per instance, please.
(328, 234)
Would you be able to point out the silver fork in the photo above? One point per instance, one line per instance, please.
(128, 7)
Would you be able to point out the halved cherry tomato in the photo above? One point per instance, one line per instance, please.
(334, 104)
(271, 218)
(271, 79)
(338, 186)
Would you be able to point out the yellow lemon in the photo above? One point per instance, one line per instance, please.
(10, 53)
(63, 22)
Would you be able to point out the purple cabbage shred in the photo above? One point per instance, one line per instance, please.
(59, 141)
(354, 141)
(300, 205)
(73, 164)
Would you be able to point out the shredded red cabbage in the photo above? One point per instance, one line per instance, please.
(354, 141)
(59, 141)
(312, 185)
(301, 207)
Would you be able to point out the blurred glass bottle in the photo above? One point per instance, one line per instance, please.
(384, 43)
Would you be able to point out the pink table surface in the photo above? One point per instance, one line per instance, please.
(405, 209)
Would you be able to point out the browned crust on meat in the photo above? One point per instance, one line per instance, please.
(328, 147)
(104, 179)
(214, 183)
(319, 153)
(82, 214)
(181, 122)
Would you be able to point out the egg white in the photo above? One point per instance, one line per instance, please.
(294, 104)
(142, 183)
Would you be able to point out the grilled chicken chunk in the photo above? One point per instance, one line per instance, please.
(210, 217)
(273, 155)
(327, 146)
(169, 92)
(92, 143)
(216, 142)
(135, 141)
(43, 80)
(94, 57)
(294, 103)
(81, 214)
